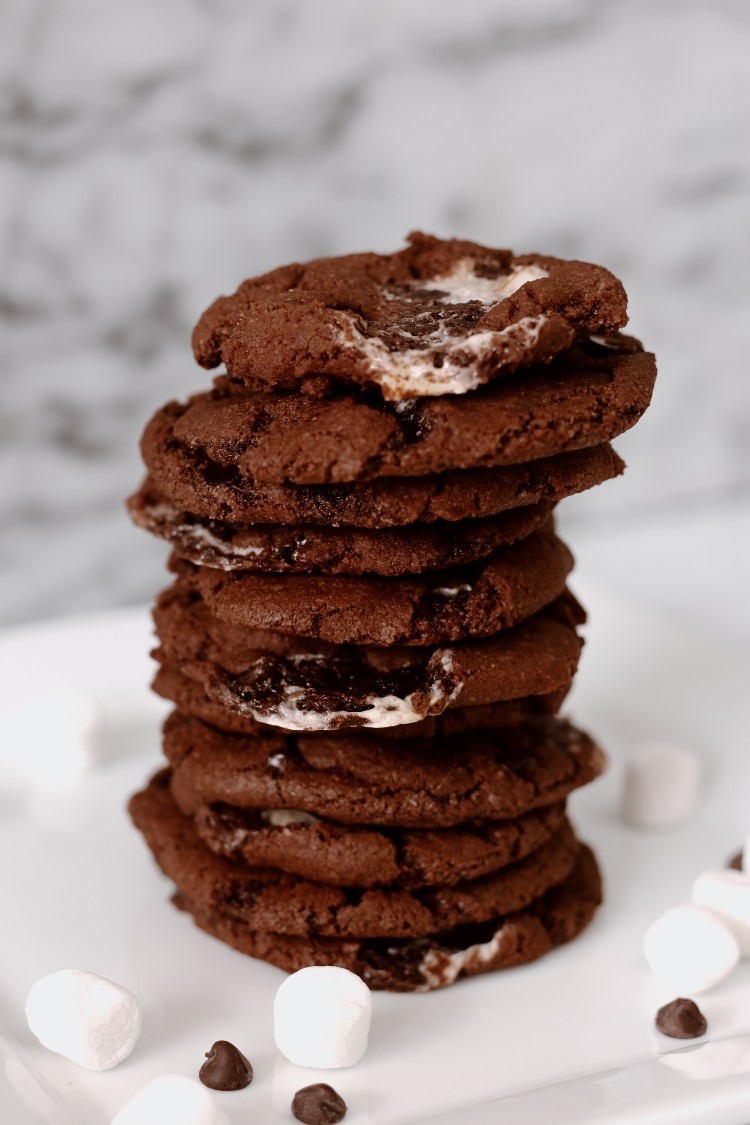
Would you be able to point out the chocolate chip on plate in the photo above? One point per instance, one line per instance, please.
(318, 1105)
(226, 1068)
(735, 863)
(681, 1019)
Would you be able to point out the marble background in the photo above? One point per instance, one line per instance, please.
(155, 152)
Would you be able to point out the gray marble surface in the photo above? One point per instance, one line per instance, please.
(155, 152)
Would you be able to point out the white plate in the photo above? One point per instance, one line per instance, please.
(80, 890)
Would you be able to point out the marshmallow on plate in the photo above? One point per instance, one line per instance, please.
(171, 1098)
(689, 949)
(727, 893)
(661, 785)
(322, 1017)
(88, 1019)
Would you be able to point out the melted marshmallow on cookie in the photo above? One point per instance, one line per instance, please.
(382, 711)
(462, 284)
(443, 363)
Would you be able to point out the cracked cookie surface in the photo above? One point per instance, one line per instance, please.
(587, 396)
(268, 899)
(309, 549)
(470, 601)
(441, 317)
(188, 693)
(307, 684)
(365, 779)
(437, 960)
(370, 855)
(208, 489)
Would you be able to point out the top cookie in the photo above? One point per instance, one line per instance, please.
(440, 317)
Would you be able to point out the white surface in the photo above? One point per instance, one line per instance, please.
(689, 563)
(321, 1017)
(588, 1007)
(50, 736)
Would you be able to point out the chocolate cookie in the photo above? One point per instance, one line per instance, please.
(585, 397)
(437, 318)
(283, 549)
(194, 481)
(190, 697)
(270, 900)
(358, 856)
(349, 690)
(476, 600)
(313, 685)
(362, 778)
(423, 964)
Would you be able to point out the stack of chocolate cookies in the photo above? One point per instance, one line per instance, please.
(369, 634)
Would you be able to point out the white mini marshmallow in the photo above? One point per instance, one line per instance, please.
(661, 785)
(727, 893)
(84, 1017)
(689, 949)
(171, 1098)
(322, 1017)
